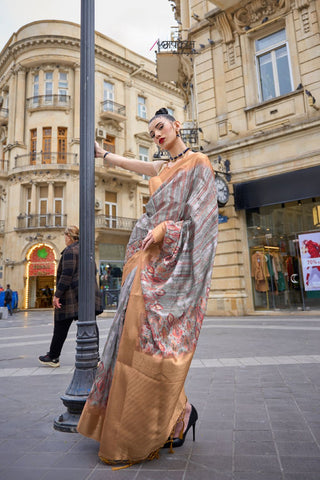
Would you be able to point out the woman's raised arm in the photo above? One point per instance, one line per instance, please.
(138, 166)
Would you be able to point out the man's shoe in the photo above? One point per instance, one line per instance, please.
(50, 362)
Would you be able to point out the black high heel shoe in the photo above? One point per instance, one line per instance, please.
(178, 442)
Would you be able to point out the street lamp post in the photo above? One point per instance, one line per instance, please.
(87, 341)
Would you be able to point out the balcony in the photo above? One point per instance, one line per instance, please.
(42, 102)
(47, 158)
(2, 224)
(190, 136)
(110, 110)
(41, 221)
(115, 223)
(4, 113)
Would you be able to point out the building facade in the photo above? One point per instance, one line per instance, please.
(255, 77)
(39, 152)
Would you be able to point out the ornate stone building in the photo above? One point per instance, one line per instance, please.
(255, 80)
(39, 152)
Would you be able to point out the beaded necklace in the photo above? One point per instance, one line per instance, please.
(173, 159)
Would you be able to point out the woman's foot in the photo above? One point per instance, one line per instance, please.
(180, 425)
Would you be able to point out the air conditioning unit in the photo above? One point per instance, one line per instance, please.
(98, 205)
(100, 133)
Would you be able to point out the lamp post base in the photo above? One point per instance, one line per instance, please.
(68, 421)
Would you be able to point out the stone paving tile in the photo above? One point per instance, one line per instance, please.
(22, 473)
(249, 414)
(257, 463)
(301, 464)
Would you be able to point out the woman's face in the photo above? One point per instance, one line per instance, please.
(163, 132)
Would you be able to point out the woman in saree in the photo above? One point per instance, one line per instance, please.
(137, 404)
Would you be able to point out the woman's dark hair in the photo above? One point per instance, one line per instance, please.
(163, 112)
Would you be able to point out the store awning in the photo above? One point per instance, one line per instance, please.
(286, 187)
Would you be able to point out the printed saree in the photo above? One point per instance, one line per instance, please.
(138, 394)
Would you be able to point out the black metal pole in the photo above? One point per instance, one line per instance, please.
(87, 341)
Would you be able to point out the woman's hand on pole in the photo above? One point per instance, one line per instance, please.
(148, 240)
(98, 151)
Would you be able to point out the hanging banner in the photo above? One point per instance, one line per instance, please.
(310, 259)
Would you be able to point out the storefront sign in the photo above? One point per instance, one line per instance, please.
(42, 261)
(310, 259)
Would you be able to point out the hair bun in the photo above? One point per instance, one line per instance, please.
(162, 111)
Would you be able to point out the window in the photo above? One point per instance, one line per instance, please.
(48, 87)
(144, 156)
(33, 146)
(58, 206)
(109, 144)
(63, 87)
(28, 207)
(43, 206)
(170, 111)
(46, 145)
(110, 209)
(142, 110)
(36, 89)
(272, 60)
(145, 200)
(108, 96)
(62, 145)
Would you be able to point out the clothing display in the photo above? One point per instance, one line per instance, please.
(138, 396)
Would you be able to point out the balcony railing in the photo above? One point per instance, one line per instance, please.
(45, 158)
(47, 220)
(45, 101)
(115, 223)
(2, 227)
(190, 136)
(110, 109)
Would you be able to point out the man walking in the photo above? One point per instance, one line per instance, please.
(8, 299)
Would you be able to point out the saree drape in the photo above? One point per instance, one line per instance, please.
(138, 394)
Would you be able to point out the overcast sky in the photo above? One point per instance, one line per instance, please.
(136, 24)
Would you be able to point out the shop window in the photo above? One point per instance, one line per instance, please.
(62, 145)
(273, 65)
(33, 146)
(275, 235)
(108, 96)
(142, 109)
(46, 144)
(110, 209)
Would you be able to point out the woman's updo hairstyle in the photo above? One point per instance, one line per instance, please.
(163, 112)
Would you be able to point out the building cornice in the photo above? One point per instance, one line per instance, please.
(12, 52)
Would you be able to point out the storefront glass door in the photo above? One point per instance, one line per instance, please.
(284, 249)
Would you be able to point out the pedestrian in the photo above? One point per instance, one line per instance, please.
(137, 404)
(65, 299)
(8, 299)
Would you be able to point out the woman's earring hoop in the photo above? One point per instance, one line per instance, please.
(178, 135)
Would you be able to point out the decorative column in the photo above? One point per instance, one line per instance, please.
(76, 104)
(20, 104)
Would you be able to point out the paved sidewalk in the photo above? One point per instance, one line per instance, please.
(255, 382)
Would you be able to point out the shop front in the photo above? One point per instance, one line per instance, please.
(110, 273)
(283, 231)
(40, 276)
